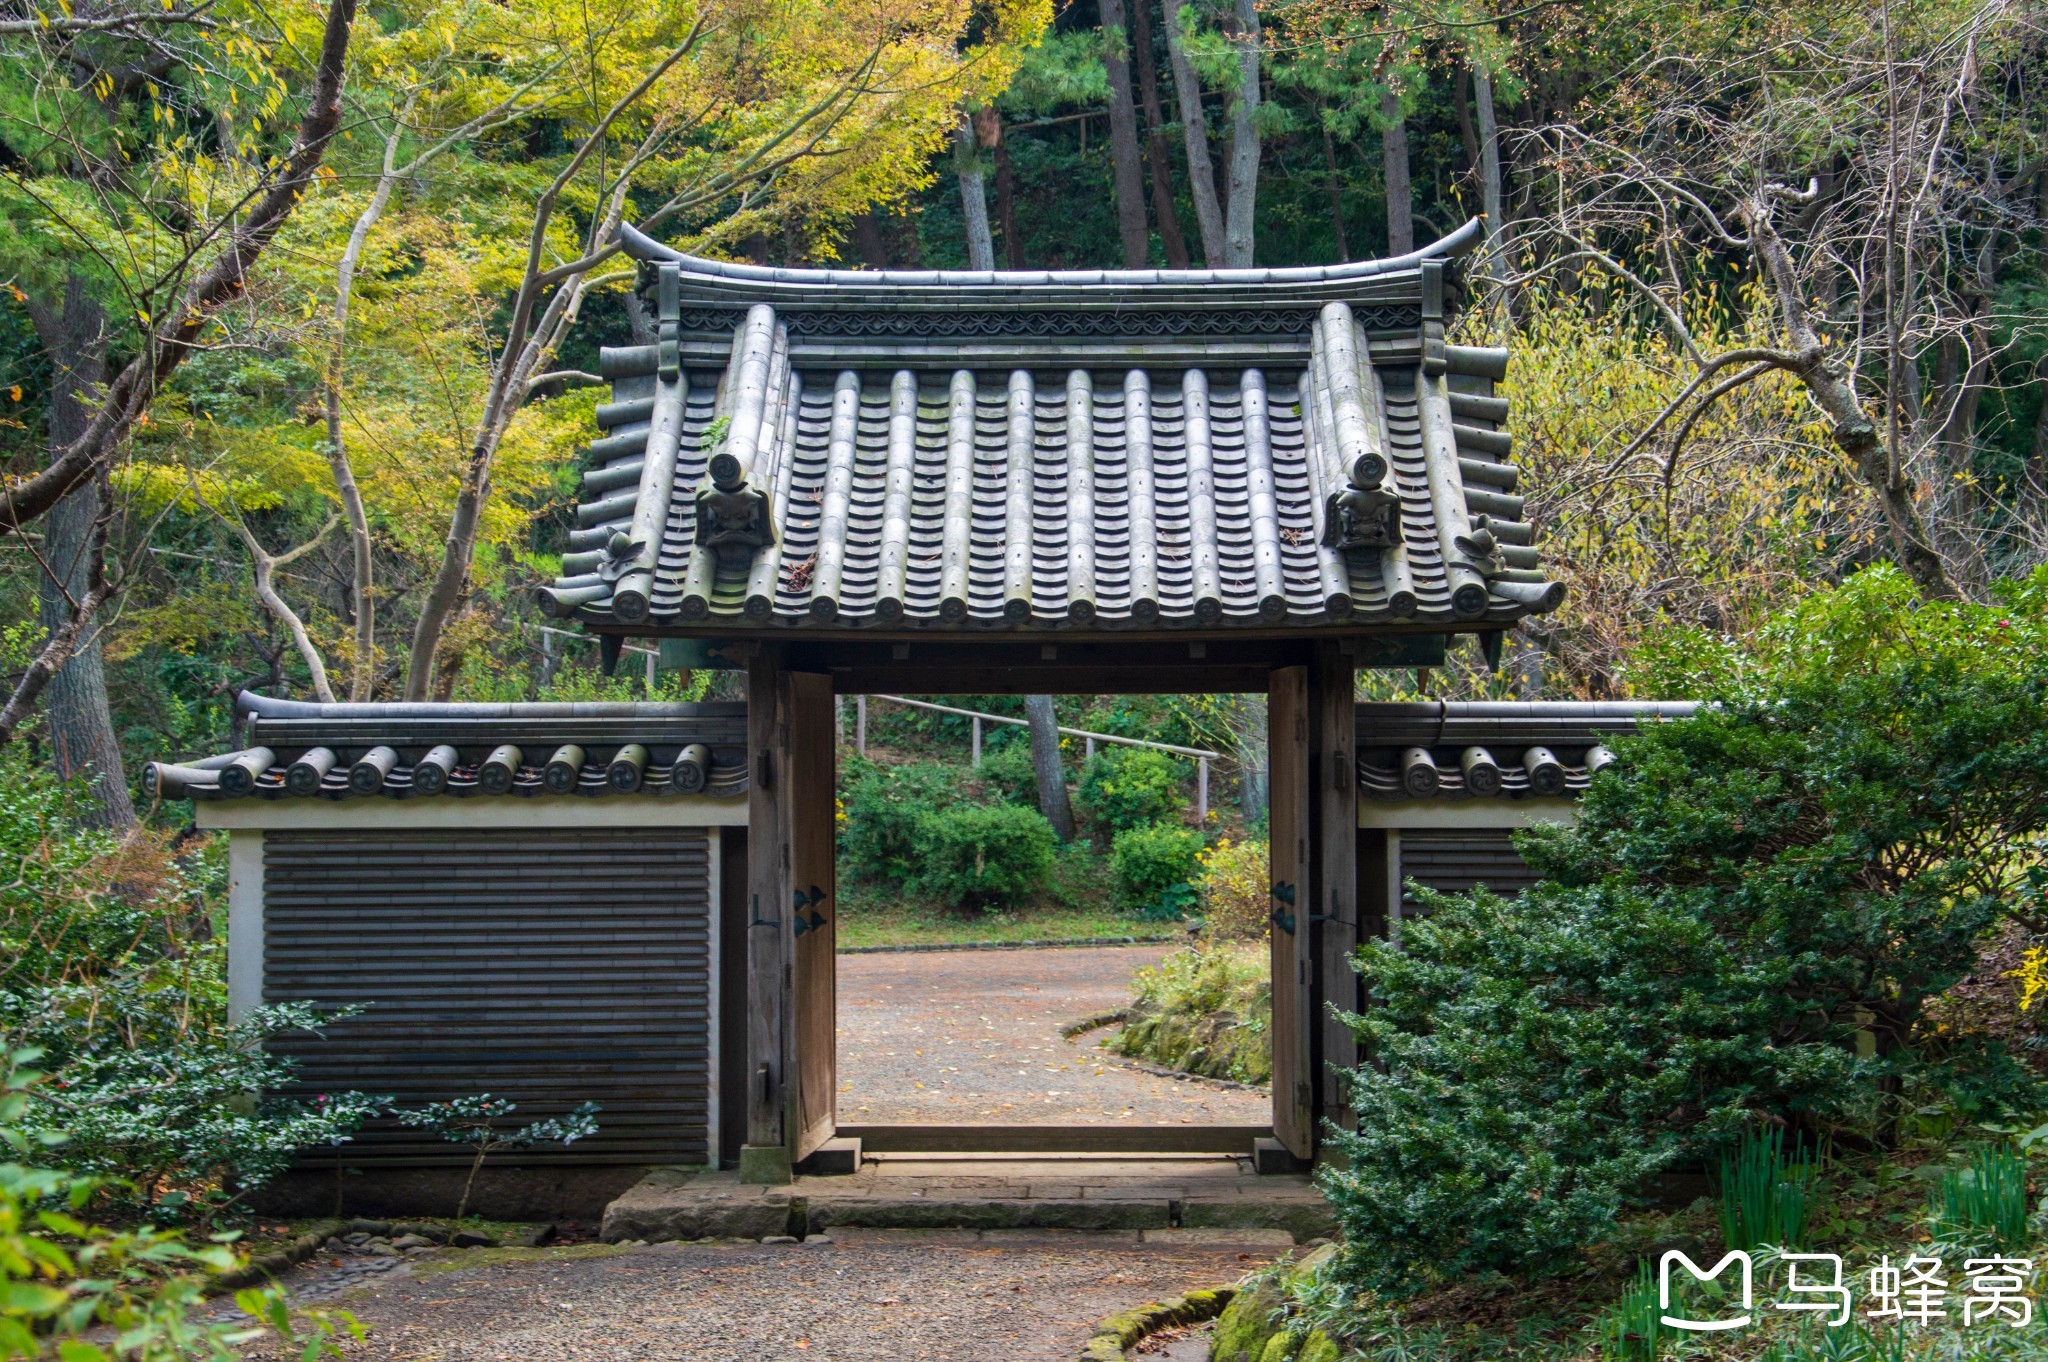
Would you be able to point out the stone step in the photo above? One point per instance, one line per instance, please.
(965, 1194)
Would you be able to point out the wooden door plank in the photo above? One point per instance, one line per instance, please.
(1333, 744)
(765, 1156)
(813, 908)
(1292, 905)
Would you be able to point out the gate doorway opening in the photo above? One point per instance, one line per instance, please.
(992, 928)
(792, 694)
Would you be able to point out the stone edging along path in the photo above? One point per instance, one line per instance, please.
(1013, 945)
(264, 1267)
(1120, 1333)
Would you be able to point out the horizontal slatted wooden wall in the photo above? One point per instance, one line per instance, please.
(1454, 860)
(549, 968)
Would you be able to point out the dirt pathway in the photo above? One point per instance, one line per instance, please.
(974, 1037)
(866, 1296)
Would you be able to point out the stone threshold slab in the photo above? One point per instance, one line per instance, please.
(678, 1203)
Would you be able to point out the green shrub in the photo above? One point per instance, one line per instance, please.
(883, 805)
(1079, 876)
(1205, 1010)
(1154, 868)
(1237, 890)
(113, 975)
(1008, 774)
(61, 1277)
(1744, 892)
(1129, 787)
(981, 856)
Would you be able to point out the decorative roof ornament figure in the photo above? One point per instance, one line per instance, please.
(1051, 451)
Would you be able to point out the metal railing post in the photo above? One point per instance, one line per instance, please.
(860, 724)
(1201, 792)
(977, 740)
(1091, 750)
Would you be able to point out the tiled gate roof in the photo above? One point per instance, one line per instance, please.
(1486, 749)
(952, 450)
(303, 750)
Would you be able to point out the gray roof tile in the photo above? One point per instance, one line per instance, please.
(965, 450)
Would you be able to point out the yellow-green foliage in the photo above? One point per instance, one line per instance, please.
(1757, 506)
(1204, 1010)
(1236, 889)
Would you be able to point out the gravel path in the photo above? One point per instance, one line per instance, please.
(866, 1296)
(974, 1037)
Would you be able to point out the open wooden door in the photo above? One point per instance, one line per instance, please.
(1288, 760)
(814, 908)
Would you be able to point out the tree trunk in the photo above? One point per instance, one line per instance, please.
(867, 238)
(1244, 139)
(2037, 456)
(1194, 128)
(1400, 193)
(1497, 243)
(1125, 175)
(1854, 433)
(1051, 774)
(1333, 187)
(981, 246)
(75, 699)
(1164, 210)
(363, 664)
(988, 131)
(1461, 100)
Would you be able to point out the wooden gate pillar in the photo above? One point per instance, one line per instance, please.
(765, 1157)
(1333, 873)
(792, 918)
(1290, 830)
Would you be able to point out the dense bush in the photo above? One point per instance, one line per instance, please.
(1206, 1010)
(1129, 787)
(1745, 891)
(982, 856)
(1237, 890)
(1154, 868)
(1007, 773)
(883, 805)
(62, 1277)
(112, 974)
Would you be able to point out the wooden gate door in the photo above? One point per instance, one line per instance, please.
(814, 906)
(1293, 906)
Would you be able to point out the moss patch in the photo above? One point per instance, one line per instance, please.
(445, 1261)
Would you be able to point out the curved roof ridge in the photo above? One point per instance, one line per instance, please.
(642, 247)
(272, 707)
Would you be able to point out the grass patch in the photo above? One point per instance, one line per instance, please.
(869, 918)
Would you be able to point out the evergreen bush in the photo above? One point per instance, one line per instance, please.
(1008, 774)
(1154, 868)
(1747, 894)
(1130, 787)
(111, 971)
(982, 855)
(883, 805)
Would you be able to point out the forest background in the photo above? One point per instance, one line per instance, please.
(297, 336)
